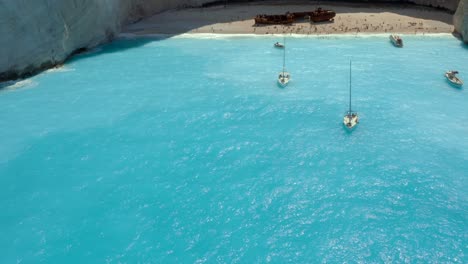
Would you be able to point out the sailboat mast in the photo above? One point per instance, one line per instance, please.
(350, 86)
(284, 54)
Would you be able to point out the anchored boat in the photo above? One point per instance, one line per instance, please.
(351, 118)
(452, 78)
(396, 40)
(279, 45)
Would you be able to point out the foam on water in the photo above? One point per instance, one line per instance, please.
(59, 69)
(185, 150)
(17, 84)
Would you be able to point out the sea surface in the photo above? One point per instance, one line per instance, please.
(185, 150)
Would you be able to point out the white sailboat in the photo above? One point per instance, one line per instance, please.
(351, 118)
(284, 76)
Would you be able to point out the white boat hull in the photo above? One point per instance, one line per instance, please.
(397, 41)
(283, 79)
(453, 79)
(350, 120)
(279, 45)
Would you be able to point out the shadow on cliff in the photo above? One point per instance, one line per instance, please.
(113, 47)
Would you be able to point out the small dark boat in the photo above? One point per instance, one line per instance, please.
(321, 15)
(279, 45)
(351, 118)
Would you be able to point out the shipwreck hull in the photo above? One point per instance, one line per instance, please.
(274, 19)
(319, 15)
(322, 17)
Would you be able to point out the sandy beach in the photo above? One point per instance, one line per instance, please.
(355, 18)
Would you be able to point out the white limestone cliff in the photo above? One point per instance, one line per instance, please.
(38, 34)
(460, 20)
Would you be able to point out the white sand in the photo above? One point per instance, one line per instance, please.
(350, 18)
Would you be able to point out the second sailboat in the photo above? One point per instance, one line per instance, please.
(351, 118)
(284, 76)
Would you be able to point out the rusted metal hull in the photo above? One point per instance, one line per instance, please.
(317, 15)
(301, 15)
(323, 15)
(274, 19)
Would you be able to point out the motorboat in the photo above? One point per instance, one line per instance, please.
(279, 45)
(351, 118)
(452, 78)
(396, 40)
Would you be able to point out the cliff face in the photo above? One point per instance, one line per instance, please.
(460, 20)
(39, 34)
(447, 4)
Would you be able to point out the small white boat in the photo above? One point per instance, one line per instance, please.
(283, 78)
(452, 78)
(279, 45)
(396, 40)
(351, 118)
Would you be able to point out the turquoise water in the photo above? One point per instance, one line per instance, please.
(184, 150)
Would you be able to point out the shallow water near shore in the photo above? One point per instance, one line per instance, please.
(186, 150)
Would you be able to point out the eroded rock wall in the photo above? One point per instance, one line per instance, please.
(39, 34)
(460, 20)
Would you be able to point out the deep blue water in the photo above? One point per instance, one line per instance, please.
(185, 150)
